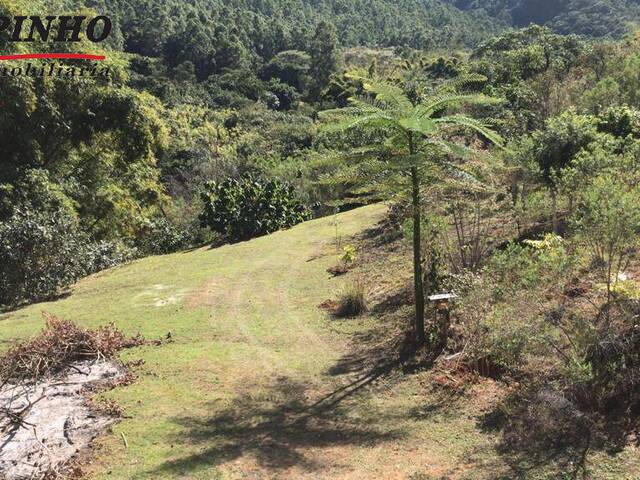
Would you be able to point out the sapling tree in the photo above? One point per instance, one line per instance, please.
(608, 219)
(410, 146)
(554, 148)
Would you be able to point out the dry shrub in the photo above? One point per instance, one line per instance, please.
(353, 300)
(338, 270)
(540, 426)
(609, 377)
(65, 471)
(108, 407)
(59, 344)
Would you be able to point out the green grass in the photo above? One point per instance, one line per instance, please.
(233, 396)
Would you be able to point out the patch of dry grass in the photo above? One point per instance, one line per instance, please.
(353, 300)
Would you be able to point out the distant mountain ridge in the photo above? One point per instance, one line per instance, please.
(595, 18)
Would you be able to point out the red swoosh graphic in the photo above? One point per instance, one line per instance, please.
(76, 56)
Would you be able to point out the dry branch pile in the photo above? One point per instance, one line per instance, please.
(61, 343)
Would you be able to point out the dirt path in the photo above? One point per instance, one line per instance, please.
(289, 410)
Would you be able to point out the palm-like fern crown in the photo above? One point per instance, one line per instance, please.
(414, 133)
(386, 105)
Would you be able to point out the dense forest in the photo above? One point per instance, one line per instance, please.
(607, 18)
(267, 27)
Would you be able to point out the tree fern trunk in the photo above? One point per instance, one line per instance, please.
(417, 259)
(554, 208)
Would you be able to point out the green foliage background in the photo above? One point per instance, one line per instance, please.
(210, 91)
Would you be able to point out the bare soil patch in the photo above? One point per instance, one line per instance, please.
(46, 424)
(208, 295)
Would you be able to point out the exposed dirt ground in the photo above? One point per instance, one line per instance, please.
(55, 420)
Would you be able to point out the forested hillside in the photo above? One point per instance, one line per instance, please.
(209, 100)
(597, 18)
(265, 27)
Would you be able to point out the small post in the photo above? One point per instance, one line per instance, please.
(441, 303)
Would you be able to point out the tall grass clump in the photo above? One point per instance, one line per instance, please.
(353, 300)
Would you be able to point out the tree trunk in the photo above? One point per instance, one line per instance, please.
(515, 190)
(417, 259)
(554, 208)
(571, 204)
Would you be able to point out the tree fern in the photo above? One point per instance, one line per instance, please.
(413, 146)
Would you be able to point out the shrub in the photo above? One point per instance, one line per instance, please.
(161, 236)
(504, 337)
(38, 256)
(101, 255)
(350, 255)
(613, 360)
(41, 253)
(512, 269)
(433, 248)
(592, 362)
(620, 122)
(607, 220)
(353, 300)
(524, 267)
(472, 240)
(504, 327)
(250, 207)
(281, 96)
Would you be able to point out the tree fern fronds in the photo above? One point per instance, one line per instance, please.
(460, 82)
(368, 101)
(396, 142)
(440, 102)
(356, 109)
(367, 151)
(360, 74)
(337, 159)
(390, 94)
(418, 123)
(462, 174)
(366, 121)
(348, 111)
(358, 103)
(479, 127)
(449, 148)
(405, 162)
(363, 198)
(354, 174)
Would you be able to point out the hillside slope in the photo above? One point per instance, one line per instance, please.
(595, 18)
(265, 27)
(259, 382)
(253, 380)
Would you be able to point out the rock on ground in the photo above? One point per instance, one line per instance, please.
(55, 420)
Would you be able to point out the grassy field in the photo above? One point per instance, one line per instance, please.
(261, 383)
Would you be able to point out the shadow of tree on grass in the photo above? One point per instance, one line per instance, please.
(275, 429)
(542, 431)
